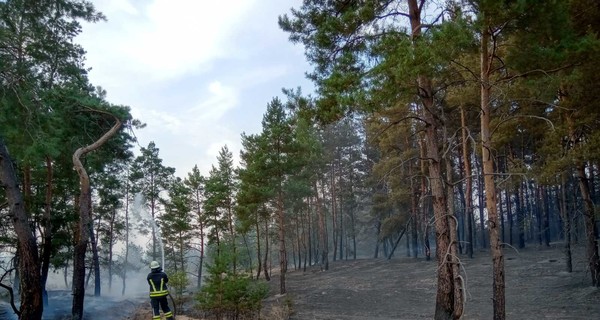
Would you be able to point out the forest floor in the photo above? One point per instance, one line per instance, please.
(537, 287)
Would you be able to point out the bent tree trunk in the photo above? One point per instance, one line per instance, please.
(82, 229)
(29, 263)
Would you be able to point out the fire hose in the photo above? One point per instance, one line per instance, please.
(174, 306)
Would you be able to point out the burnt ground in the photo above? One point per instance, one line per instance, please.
(537, 287)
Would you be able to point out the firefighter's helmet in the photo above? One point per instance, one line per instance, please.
(154, 265)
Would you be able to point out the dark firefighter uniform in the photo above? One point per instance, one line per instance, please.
(158, 280)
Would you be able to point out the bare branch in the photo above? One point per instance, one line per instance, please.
(12, 298)
(475, 76)
(525, 74)
(523, 116)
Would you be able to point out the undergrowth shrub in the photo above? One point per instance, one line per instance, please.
(228, 295)
(178, 282)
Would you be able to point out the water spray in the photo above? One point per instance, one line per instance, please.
(158, 236)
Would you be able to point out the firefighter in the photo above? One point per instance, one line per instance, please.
(158, 280)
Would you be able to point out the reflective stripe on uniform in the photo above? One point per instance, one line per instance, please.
(156, 317)
(158, 293)
(168, 314)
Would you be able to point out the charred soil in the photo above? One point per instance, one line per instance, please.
(537, 287)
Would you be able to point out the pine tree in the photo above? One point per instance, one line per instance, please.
(375, 63)
(220, 191)
(176, 226)
(150, 178)
(195, 182)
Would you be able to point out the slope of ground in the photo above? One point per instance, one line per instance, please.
(537, 287)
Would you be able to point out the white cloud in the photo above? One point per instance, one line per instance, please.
(197, 72)
(163, 40)
(220, 100)
(193, 121)
(115, 6)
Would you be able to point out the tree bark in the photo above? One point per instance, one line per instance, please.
(422, 200)
(110, 247)
(95, 258)
(490, 185)
(85, 215)
(47, 227)
(509, 217)
(258, 255)
(546, 215)
(201, 226)
(482, 204)
(590, 226)
(468, 183)
(588, 205)
(324, 261)
(266, 255)
(566, 217)
(449, 292)
(282, 250)
(334, 228)
(29, 264)
(520, 217)
(414, 212)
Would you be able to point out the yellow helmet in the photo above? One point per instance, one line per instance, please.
(154, 265)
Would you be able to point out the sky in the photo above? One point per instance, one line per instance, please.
(199, 73)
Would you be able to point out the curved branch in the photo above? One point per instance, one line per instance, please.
(10, 293)
(523, 116)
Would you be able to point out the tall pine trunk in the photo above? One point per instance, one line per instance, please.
(566, 217)
(266, 255)
(449, 291)
(95, 258)
(590, 226)
(422, 200)
(113, 215)
(546, 215)
(282, 250)
(29, 264)
(334, 228)
(47, 229)
(588, 206)
(490, 185)
(258, 255)
(414, 212)
(126, 259)
(324, 260)
(468, 183)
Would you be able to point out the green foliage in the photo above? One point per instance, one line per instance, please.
(48, 109)
(151, 178)
(176, 226)
(230, 294)
(219, 193)
(178, 283)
